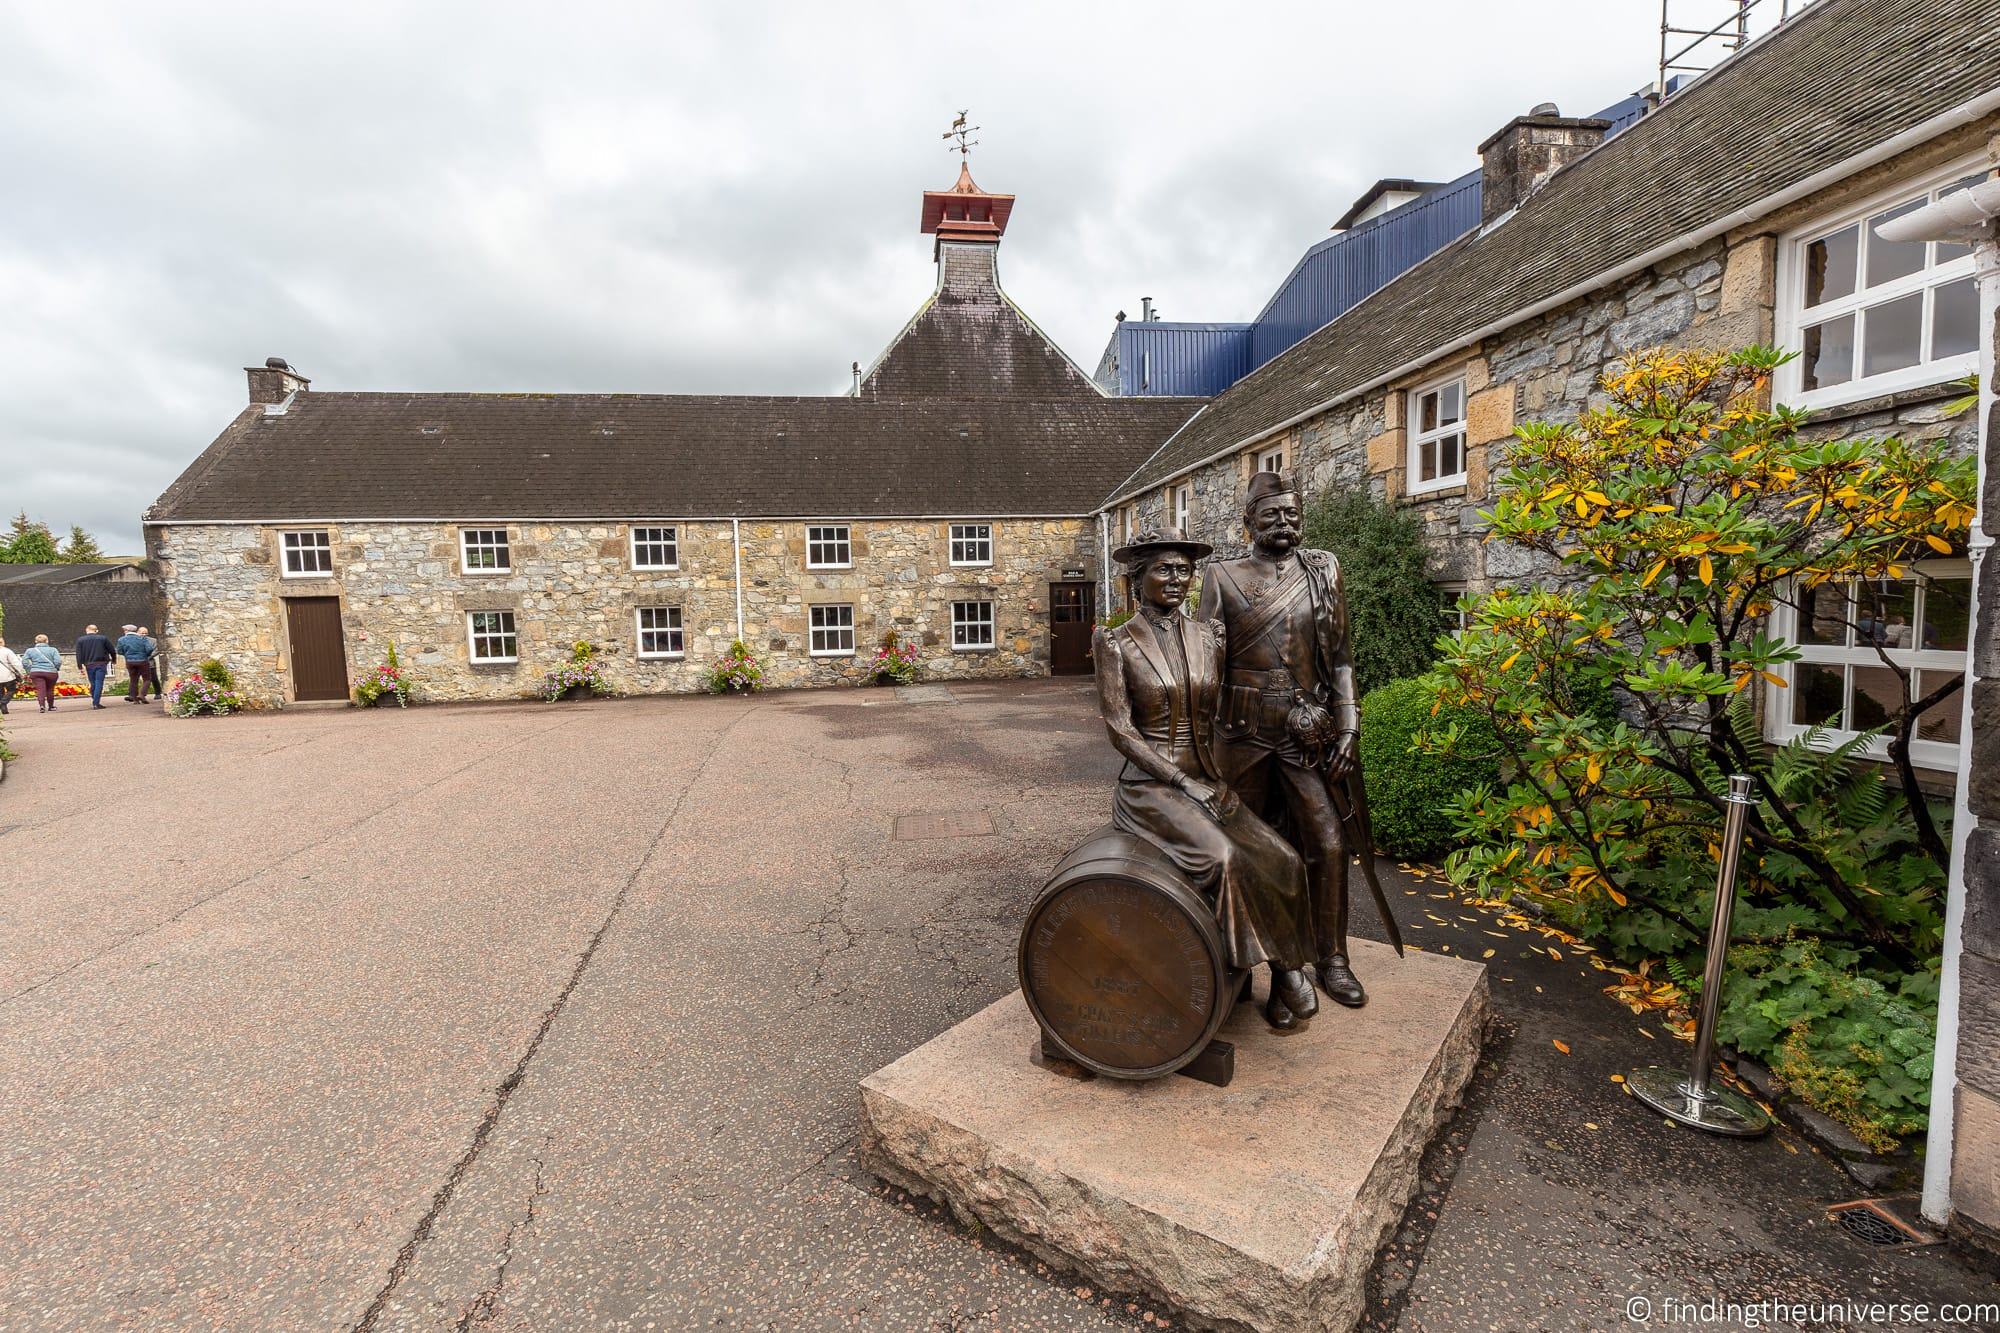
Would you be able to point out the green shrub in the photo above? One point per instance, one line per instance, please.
(737, 672)
(1392, 605)
(1410, 794)
(215, 672)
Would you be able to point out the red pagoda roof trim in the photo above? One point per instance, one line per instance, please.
(966, 212)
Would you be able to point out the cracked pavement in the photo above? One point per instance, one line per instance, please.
(526, 1018)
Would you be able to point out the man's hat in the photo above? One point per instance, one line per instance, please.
(1159, 539)
(128, 628)
(1263, 484)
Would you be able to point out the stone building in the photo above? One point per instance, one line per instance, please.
(948, 499)
(1734, 213)
(1758, 204)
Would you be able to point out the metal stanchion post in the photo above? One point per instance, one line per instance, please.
(1687, 1097)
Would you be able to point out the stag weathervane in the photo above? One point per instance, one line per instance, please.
(960, 130)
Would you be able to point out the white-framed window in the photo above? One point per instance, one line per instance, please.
(660, 631)
(492, 636)
(971, 627)
(832, 631)
(656, 548)
(1843, 630)
(308, 554)
(829, 547)
(1437, 436)
(1871, 316)
(1128, 518)
(1183, 506)
(972, 543)
(1454, 620)
(1268, 460)
(484, 551)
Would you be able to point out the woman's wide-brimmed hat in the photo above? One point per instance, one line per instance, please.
(1155, 540)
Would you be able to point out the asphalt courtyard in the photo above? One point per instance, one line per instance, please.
(525, 1017)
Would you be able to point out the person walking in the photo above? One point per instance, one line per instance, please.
(12, 673)
(44, 662)
(152, 661)
(93, 654)
(136, 650)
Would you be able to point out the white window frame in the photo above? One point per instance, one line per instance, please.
(466, 546)
(676, 632)
(473, 634)
(1778, 724)
(845, 541)
(1182, 507)
(1456, 621)
(672, 541)
(1128, 519)
(1793, 319)
(1444, 430)
(287, 548)
(814, 629)
(972, 537)
(973, 626)
(1271, 459)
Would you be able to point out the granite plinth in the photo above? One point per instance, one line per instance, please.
(1257, 1206)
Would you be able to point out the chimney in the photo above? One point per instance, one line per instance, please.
(1146, 315)
(1526, 152)
(274, 381)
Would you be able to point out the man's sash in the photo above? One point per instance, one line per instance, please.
(1265, 613)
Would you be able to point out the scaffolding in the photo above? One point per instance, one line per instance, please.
(1708, 47)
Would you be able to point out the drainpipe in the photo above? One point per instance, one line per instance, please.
(1104, 563)
(1964, 215)
(736, 541)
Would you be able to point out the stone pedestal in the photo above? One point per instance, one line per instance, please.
(1258, 1206)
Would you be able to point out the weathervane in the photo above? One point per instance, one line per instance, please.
(959, 130)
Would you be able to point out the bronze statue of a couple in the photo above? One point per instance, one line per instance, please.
(1239, 727)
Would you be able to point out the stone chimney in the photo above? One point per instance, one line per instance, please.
(274, 381)
(1526, 152)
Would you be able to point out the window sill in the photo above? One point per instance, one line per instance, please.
(485, 573)
(980, 648)
(327, 577)
(972, 564)
(662, 657)
(656, 569)
(495, 664)
(1437, 490)
(829, 652)
(828, 569)
(1839, 408)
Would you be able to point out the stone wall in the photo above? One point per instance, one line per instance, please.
(223, 597)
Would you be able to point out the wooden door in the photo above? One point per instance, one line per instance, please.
(319, 659)
(1072, 610)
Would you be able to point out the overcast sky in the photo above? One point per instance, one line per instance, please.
(656, 198)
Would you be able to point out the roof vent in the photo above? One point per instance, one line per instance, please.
(431, 430)
(276, 363)
(1545, 109)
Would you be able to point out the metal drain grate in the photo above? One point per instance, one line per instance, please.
(1877, 1222)
(1871, 1227)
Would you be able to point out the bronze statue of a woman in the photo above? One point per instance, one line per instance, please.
(1159, 681)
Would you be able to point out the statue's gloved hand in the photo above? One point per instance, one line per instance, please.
(1340, 760)
(1218, 800)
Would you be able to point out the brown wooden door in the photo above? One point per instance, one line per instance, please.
(319, 660)
(1071, 613)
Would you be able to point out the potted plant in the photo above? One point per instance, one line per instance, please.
(739, 672)
(581, 676)
(386, 684)
(209, 692)
(895, 662)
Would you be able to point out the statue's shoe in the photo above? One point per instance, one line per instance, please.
(1290, 986)
(1278, 1016)
(1337, 979)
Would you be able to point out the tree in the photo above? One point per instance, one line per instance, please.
(81, 548)
(1681, 516)
(1392, 605)
(29, 542)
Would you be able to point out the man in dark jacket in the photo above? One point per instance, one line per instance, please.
(137, 650)
(93, 654)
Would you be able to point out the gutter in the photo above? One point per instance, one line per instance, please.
(1962, 114)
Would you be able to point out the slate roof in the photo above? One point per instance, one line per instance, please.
(971, 411)
(1840, 78)
(500, 456)
(59, 573)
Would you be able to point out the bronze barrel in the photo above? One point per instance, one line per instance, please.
(1121, 960)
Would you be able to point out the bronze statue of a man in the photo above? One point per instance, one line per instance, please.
(1291, 716)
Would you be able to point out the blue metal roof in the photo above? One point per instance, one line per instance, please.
(1331, 278)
